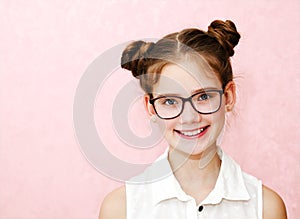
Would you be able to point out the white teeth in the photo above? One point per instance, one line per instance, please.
(196, 132)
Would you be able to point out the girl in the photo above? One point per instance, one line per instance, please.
(188, 83)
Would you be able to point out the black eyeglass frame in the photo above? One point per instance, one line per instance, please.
(188, 99)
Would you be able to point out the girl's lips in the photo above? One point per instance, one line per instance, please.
(195, 133)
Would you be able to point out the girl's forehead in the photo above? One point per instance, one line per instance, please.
(185, 79)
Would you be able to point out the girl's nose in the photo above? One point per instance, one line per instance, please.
(189, 114)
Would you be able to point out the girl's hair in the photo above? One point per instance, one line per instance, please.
(146, 59)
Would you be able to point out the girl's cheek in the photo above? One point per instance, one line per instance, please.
(171, 124)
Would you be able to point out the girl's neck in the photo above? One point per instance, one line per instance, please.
(202, 167)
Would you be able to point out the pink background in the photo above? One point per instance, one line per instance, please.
(45, 46)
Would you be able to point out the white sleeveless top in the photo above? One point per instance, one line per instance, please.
(236, 195)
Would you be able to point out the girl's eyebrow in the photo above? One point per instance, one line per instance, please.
(204, 89)
(180, 95)
(168, 95)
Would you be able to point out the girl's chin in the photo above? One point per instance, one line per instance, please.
(191, 146)
(189, 150)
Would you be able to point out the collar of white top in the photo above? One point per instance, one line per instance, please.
(230, 184)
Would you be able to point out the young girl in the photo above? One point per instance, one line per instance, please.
(188, 83)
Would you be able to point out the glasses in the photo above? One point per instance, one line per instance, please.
(204, 102)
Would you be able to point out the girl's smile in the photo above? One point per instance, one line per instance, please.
(191, 134)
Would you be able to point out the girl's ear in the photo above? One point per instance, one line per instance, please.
(148, 105)
(230, 96)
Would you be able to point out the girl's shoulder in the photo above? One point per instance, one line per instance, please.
(114, 205)
(273, 205)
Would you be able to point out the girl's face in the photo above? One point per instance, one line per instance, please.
(191, 132)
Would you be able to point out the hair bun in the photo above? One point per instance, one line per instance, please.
(225, 33)
(134, 57)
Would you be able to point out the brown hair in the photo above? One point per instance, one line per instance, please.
(215, 46)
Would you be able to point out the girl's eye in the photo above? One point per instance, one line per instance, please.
(170, 102)
(203, 97)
